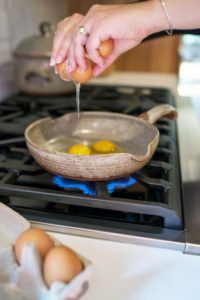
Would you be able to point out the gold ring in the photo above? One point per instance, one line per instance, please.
(83, 30)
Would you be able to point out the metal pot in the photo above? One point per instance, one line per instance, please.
(33, 74)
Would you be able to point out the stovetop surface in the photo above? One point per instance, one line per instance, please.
(151, 207)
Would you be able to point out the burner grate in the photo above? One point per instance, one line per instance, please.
(152, 203)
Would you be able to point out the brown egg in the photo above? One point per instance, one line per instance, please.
(106, 48)
(77, 75)
(62, 71)
(82, 77)
(38, 237)
(61, 264)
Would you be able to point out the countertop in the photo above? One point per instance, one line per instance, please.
(136, 272)
(127, 271)
(133, 272)
(164, 80)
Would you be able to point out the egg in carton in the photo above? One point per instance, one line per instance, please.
(25, 282)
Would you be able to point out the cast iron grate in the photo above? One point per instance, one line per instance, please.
(155, 200)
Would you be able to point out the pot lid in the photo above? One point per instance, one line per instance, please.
(38, 45)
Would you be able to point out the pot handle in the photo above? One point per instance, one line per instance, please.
(46, 29)
(157, 112)
(37, 77)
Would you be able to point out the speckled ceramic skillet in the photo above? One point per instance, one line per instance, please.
(137, 136)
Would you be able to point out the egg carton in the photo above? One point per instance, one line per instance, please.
(25, 282)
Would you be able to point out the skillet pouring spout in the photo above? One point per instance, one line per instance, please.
(48, 139)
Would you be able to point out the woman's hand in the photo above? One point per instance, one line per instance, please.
(126, 24)
(63, 36)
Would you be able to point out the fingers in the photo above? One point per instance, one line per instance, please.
(62, 38)
(60, 50)
(79, 51)
(92, 48)
(97, 69)
(86, 46)
(71, 62)
(74, 43)
(79, 56)
(58, 41)
(120, 46)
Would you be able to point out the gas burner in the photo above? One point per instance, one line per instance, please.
(88, 188)
(85, 187)
(149, 202)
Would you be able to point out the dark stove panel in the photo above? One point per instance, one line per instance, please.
(153, 203)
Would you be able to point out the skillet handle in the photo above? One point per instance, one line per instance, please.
(157, 112)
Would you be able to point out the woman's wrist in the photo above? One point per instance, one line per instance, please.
(184, 14)
(159, 17)
(148, 17)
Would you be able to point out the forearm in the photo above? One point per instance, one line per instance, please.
(126, 24)
(184, 14)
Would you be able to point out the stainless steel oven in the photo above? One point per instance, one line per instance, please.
(147, 207)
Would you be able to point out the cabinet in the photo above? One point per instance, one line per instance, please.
(157, 55)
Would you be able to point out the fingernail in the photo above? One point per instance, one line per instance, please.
(56, 71)
(59, 59)
(52, 62)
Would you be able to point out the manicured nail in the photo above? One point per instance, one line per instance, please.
(52, 62)
(56, 71)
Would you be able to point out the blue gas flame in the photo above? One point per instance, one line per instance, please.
(89, 188)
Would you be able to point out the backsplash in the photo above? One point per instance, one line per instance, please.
(21, 18)
(4, 39)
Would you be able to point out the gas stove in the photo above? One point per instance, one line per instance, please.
(147, 208)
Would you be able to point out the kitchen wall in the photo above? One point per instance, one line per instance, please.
(20, 18)
(4, 40)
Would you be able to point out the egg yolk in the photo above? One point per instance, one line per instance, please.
(79, 149)
(104, 146)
